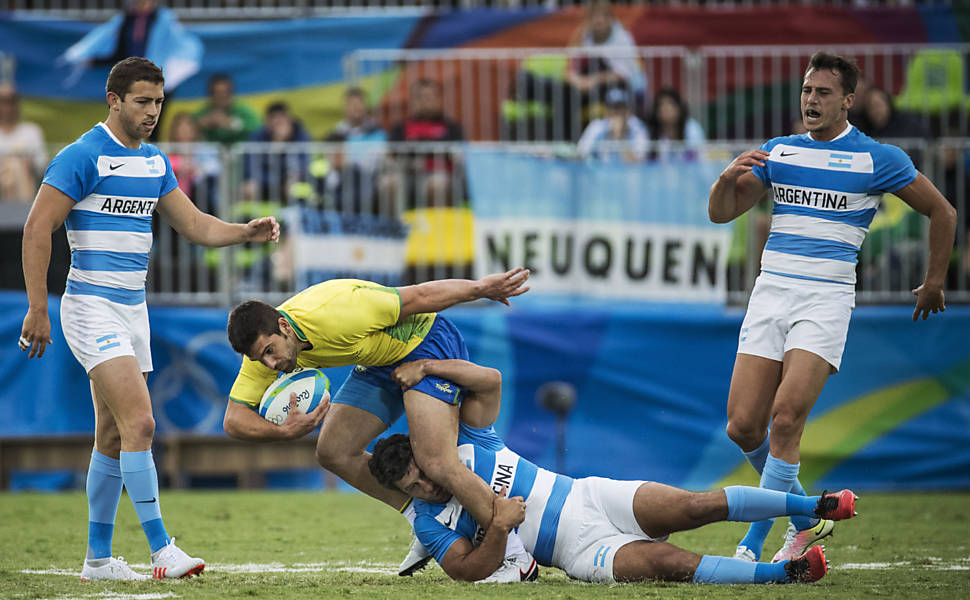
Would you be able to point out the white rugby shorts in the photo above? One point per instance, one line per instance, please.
(597, 520)
(97, 330)
(786, 313)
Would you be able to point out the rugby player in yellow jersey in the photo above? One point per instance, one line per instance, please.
(353, 322)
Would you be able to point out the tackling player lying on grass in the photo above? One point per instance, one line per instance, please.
(595, 529)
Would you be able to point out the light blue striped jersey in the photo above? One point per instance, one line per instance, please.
(438, 526)
(109, 229)
(825, 196)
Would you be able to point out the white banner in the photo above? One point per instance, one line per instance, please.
(636, 261)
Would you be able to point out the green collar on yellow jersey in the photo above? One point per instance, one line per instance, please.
(299, 332)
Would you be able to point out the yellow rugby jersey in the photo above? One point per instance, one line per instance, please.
(348, 322)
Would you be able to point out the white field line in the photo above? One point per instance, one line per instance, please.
(120, 596)
(256, 568)
(935, 563)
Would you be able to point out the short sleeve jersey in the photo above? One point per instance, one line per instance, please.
(439, 526)
(109, 229)
(825, 196)
(347, 322)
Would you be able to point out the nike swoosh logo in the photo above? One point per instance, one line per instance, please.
(145, 501)
(789, 154)
(113, 167)
(448, 522)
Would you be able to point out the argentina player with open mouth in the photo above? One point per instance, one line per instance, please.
(826, 186)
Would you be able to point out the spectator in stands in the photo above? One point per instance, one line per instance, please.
(595, 73)
(617, 136)
(881, 120)
(276, 174)
(196, 166)
(433, 177)
(23, 157)
(223, 119)
(349, 181)
(674, 133)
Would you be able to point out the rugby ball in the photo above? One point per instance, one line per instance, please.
(309, 385)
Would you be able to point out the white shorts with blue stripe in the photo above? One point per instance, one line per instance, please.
(596, 521)
(98, 329)
(785, 313)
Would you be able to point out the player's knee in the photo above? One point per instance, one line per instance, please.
(746, 434)
(787, 424)
(328, 456)
(140, 428)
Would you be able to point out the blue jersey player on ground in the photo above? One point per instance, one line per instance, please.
(595, 529)
(826, 185)
(104, 188)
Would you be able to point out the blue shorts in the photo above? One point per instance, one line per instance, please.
(371, 388)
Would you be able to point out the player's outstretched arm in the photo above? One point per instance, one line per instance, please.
(466, 563)
(923, 196)
(737, 189)
(483, 386)
(434, 296)
(207, 230)
(243, 423)
(51, 207)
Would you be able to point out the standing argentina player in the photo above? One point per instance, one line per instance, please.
(104, 188)
(826, 185)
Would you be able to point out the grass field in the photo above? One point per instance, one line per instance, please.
(329, 545)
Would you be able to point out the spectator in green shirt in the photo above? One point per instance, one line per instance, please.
(223, 119)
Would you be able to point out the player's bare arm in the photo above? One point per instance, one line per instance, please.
(466, 563)
(207, 230)
(737, 189)
(50, 208)
(483, 386)
(244, 423)
(923, 196)
(435, 296)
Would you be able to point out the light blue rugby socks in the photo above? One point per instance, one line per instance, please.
(104, 491)
(757, 458)
(141, 481)
(757, 504)
(721, 569)
(776, 474)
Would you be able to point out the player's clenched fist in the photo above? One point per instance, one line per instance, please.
(507, 513)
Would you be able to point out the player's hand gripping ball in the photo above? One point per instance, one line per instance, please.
(309, 385)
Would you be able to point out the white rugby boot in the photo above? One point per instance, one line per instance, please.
(172, 562)
(798, 542)
(514, 569)
(110, 568)
(416, 559)
(744, 553)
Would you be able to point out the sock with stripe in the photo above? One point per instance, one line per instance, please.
(776, 475)
(141, 481)
(757, 458)
(409, 512)
(755, 504)
(104, 491)
(722, 569)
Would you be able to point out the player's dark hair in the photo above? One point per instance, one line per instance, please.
(847, 69)
(391, 459)
(126, 72)
(250, 320)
